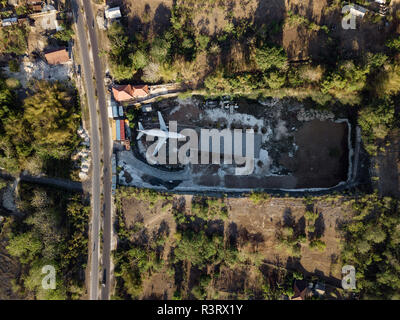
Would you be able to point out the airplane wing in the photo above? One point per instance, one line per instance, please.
(163, 127)
(159, 145)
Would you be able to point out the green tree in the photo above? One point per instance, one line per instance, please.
(13, 65)
(371, 246)
(13, 39)
(33, 282)
(51, 120)
(202, 42)
(139, 60)
(376, 120)
(159, 50)
(271, 58)
(25, 246)
(65, 34)
(275, 80)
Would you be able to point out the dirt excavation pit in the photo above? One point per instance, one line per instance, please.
(295, 147)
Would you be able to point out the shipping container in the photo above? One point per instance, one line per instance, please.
(122, 128)
(114, 136)
(121, 111)
(110, 113)
(118, 130)
(115, 111)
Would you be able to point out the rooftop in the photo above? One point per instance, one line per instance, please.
(113, 13)
(57, 57)
(128, 92)
(358, 10)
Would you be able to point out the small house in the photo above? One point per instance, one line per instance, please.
(9, 21)
(358, 11)
(112, 14)
(128, 92)
(60, 56)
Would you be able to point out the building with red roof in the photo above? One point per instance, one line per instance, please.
(57, 57)
(128, 92)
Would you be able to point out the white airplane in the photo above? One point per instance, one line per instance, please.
(163, 134)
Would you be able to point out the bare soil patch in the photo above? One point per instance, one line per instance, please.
(151, 17)
(262, 221)
(322, 157)
(253, 228)
(148, 16)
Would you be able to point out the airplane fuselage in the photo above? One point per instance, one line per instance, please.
(162, 134)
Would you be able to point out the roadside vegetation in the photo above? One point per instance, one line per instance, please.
(52, 230)
(38, 134)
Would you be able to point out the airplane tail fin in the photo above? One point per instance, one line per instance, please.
(163, 126)
(140, 131)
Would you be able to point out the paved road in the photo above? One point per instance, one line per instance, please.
(143, 168)
(107, 149)
(95, 150)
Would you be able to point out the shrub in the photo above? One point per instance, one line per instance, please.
(317, 244)
(376, 121)
(151, 73)
(13, 65)
(259, 197)
(371, 246)
(202, 42)
(271, 58)
(275, 80)
(139, 60)
(311, 74)
(311, 216)
(159, 50)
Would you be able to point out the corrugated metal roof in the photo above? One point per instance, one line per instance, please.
(122, 129)
(115, 111)
(113, 13)
(118, 131)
